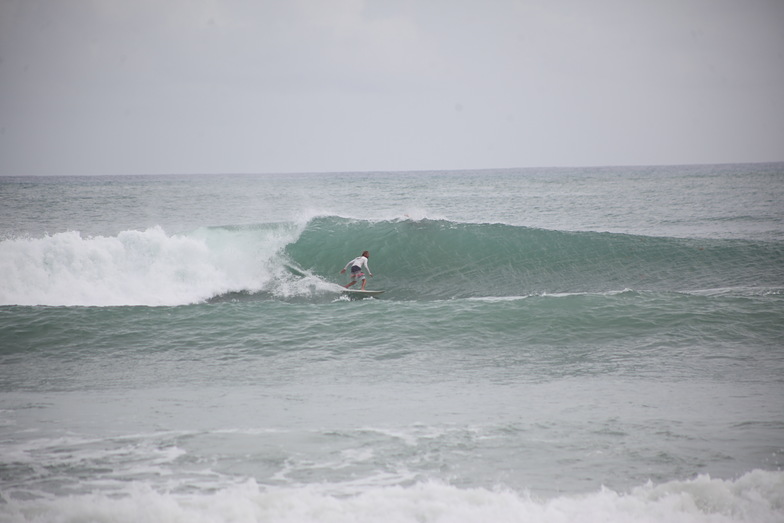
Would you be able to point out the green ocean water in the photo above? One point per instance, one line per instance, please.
(551, 344)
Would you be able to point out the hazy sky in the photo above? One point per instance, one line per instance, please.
(228, 86)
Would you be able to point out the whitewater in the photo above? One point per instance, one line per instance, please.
(573, 344)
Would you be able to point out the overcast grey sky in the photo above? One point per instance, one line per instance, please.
(256, 86)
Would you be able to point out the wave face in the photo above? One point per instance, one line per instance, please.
(443, 259)
(425, 259)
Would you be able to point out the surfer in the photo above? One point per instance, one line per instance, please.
(356, 269)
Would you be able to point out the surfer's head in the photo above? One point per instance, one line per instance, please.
(366, 254)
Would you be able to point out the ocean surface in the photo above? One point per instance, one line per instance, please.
(553, 345)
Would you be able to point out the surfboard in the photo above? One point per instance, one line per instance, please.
(360, 293)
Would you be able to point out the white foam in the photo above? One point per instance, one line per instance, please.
(139, 267)
(494, 299)
(756, 497)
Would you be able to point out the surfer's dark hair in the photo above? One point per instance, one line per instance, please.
(365, 254)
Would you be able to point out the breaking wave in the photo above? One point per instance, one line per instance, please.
(418, 259)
